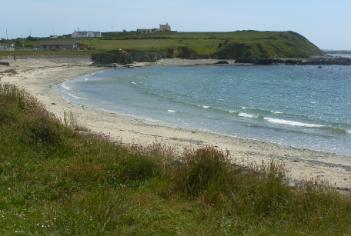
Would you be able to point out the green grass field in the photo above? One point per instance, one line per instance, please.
(204, 47)
(56, 181)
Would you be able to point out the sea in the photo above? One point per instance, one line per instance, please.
(305, 107)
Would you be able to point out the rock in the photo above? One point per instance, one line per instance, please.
(10, 71)
(328, 61)
(222, 63)
(4, 63)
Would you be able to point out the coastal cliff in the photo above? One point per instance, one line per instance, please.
(242, 46)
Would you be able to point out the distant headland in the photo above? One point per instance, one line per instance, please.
(149, 45)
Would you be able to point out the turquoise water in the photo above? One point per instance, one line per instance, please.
(300, 106)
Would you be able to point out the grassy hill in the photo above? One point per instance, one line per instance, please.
(225, 45)
(57, 180)
(257, 44)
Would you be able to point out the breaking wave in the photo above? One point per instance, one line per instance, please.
(64, 86)
(292, 123)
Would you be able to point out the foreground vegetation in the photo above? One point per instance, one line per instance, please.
(55, 180)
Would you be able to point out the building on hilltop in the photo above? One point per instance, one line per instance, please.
(162, 28)
(165, 28)
(86, 34)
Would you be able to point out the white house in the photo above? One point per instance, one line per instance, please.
(7, 47)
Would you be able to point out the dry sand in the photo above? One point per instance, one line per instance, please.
(38, 76)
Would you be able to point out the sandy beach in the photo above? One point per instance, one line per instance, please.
(39, 76)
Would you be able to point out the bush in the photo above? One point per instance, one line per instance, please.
(134, 169)
(202, 170)
(42, 131)
(139, 169)
(6, 118)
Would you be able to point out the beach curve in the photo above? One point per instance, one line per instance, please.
(39, 76)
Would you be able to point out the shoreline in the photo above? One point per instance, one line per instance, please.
(39, 76)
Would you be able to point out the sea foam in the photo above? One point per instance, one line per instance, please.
(76, 97)
(246, 115)
(277, 112)
(292, 123)
(65, 86)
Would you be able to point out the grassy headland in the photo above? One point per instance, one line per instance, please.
(241, 45)
(244, 45)
(261, 44)
(56, 178)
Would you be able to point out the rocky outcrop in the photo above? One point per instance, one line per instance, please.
(309, 61)
(4, 63)
(328, 61)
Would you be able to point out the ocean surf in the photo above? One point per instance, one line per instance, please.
(300, 106)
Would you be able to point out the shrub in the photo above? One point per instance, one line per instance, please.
(201, 170)
(41, 130)
(6, 118)
(136, 168)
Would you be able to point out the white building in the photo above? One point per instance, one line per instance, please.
(165, 28)
(162, 28)
(86, 34)
(7, 47)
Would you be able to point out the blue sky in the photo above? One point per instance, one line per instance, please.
(326, 23)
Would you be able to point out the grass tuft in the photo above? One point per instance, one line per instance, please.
(41, 131)
(202, 170)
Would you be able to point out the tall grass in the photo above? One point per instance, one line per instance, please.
(53, 180)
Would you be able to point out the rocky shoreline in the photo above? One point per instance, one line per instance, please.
(324, 60)
(318, 61)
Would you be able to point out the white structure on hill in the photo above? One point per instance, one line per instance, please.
(162, 28)
(165, 28)
(86, 34)
(7, 47)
